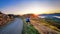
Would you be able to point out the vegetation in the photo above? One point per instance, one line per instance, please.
(4, 19)
(51, 22)
(29, 30)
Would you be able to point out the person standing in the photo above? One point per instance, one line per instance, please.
(28, 21)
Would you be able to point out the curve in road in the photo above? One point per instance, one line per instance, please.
(13, 28)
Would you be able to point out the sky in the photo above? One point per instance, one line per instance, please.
(29, 6)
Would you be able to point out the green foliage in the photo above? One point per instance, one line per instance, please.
(51, 21)
(29, 30)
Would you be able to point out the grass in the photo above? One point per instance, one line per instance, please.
(29, 30)
(51, 23)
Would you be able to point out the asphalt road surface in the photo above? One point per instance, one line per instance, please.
(15, 27)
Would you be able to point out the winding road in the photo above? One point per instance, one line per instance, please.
(15, 27)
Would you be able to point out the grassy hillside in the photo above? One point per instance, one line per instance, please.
(51, 22)
(29, 30)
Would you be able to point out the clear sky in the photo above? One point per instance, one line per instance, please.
(29, 6)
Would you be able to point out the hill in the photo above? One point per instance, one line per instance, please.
(4, 18)
(55, 14)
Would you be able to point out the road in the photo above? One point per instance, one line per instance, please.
(15, 27)
(43, 29)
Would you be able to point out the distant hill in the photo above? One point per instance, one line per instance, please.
(28, 15)
(51, 16)
(55, 14)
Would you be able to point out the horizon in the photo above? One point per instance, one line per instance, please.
(31, 13)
